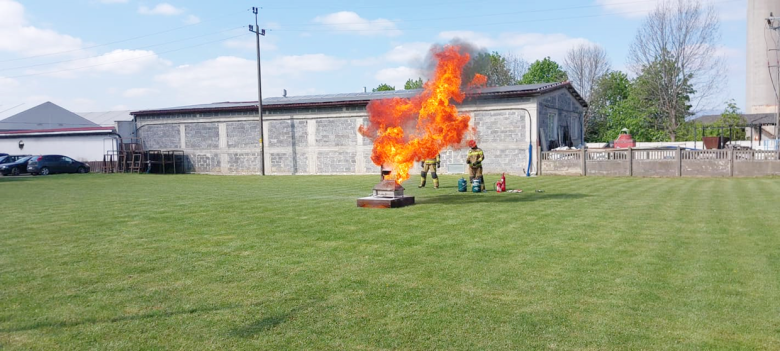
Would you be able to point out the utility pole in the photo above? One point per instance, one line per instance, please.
(258, 32)
(774, 24)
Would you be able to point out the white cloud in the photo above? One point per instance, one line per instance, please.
(408, 53)
(81, 104)
(249, 43)
(18, 37)
(8, 84)
(119, 108)
(480, 40)
(164, 9)
(535, 46)
(192, 19)
(139, 92)
(120, 61)
(397, 76)
(351, 22)
(230, 78)
(297, 64)
(728, 11)
(531, 46)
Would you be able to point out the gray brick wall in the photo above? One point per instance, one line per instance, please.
(205, 162)
(243, 135)
(366, 141)
(505, 160)
(370, 167)
(336, 132)
(164, 136)
(281, 133)
(246, 162)
(284, 163)
(500, 126)
(336, 162)
(201, 135)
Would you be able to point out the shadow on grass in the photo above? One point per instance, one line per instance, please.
(15, 179)
(149, 315)
(471, 198)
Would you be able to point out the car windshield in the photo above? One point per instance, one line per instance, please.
(24, 159)
(2, 159)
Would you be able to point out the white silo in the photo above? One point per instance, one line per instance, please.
(760, 95)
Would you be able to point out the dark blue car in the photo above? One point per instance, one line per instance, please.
(49, 164)
(16, 166)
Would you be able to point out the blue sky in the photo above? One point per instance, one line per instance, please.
(96, 55)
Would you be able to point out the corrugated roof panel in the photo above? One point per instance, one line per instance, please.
(345, 97)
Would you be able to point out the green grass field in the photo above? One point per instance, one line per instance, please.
(221, 262)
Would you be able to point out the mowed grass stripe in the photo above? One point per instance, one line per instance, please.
(206, 262)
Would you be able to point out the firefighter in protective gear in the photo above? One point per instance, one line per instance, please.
(474, 160)
(430, 165)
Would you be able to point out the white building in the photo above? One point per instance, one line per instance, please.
(51, 129)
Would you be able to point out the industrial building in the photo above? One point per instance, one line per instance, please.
(318, 134)
(51, 129)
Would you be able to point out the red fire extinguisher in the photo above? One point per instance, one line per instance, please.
(501, 184)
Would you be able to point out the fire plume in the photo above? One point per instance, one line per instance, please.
(406, 130)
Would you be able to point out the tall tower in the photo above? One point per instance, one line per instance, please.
(760, 96)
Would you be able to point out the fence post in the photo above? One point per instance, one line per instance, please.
(678, 155)
(584, 155)
(731, 162)
(630, 162)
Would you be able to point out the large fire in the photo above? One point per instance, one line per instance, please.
(408, 130)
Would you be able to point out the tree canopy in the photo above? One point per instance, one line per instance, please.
(383, 87)
(413, 84)
(544, 71)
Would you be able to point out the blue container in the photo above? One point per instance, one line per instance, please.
(462, 185)
(476, 186)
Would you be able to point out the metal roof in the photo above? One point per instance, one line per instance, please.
(750, 118)
(45, 116)
(360, 98)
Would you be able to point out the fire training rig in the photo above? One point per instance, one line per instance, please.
(386, 194)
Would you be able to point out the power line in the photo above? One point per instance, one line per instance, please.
(492, 14)
(137, 48)
(118, 41)
(318, 28)
(130, 59)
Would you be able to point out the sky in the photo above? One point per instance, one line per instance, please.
(100, 55)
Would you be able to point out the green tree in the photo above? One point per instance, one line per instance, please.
(667, 111)
(618, 104)
(544, 71)
(413, 84)
(494, 66)
(731, 118)
(383, 87)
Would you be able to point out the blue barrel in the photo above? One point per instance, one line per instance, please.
(462, 185)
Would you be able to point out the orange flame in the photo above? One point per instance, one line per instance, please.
(419, 128)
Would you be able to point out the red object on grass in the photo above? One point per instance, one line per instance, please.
(501, 184)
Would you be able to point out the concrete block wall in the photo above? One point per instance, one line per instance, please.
(328, 142)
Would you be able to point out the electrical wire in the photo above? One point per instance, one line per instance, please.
(130, 59)
(471, 25)
(137, 48)
(319, 27)
(121, 40)
(488, 15)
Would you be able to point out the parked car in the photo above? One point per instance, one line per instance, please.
(15, 168)
(49, 164)
(11, 158)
